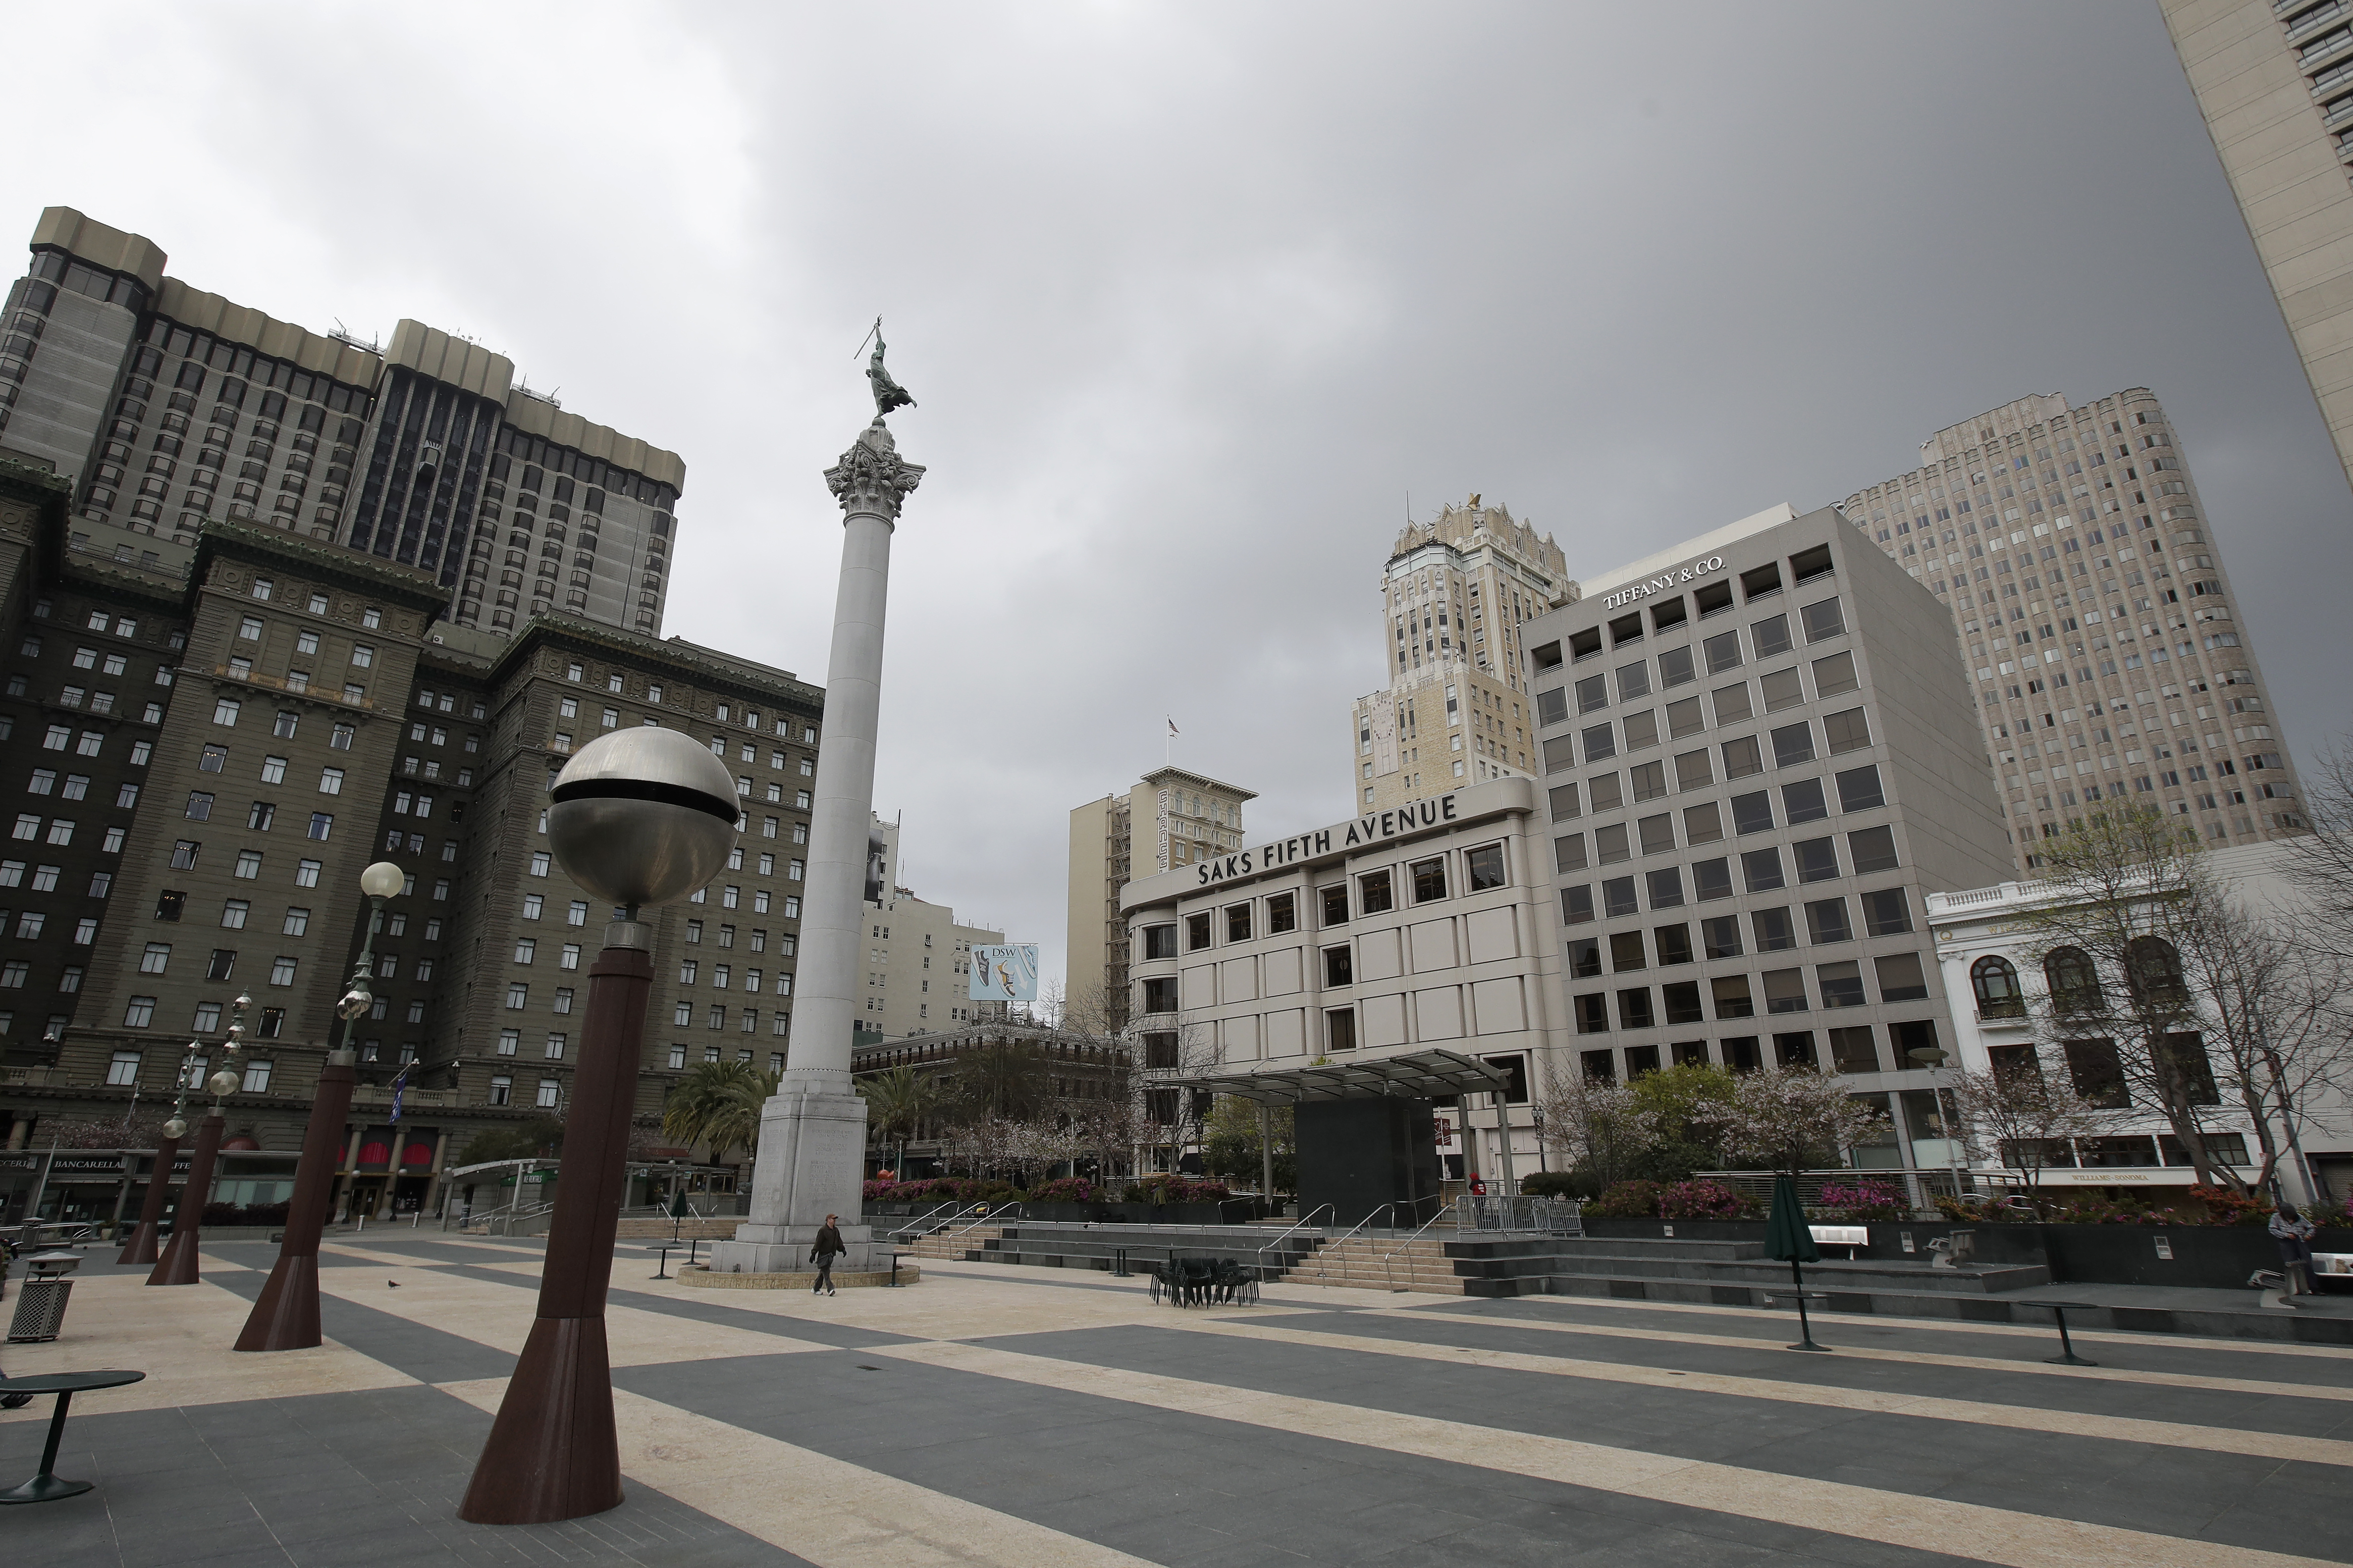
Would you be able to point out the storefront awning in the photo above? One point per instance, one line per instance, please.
(1421, 1075)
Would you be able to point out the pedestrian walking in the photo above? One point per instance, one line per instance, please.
(2294, 1234)
(829, 1247)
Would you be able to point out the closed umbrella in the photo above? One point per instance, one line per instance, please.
(1787, 1237)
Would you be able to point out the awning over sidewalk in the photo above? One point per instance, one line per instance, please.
(1419, 1075)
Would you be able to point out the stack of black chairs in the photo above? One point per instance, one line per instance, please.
(1205, 1282)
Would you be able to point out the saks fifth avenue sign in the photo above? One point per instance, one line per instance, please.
(1364, 830)
(1663, 581)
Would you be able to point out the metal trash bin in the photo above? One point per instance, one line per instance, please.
(40, 1310)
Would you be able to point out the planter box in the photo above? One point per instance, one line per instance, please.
(2219, 1256)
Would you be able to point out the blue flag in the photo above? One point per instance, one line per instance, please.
(399, 1087)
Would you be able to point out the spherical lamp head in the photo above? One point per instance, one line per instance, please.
(175, 1127)
(356, 1001)
(1928, 1056)
(223, 1082)
(643, 816)
(383, 879)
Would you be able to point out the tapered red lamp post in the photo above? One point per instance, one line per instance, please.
(178, 1264)
(638, 817)
(285, 1316)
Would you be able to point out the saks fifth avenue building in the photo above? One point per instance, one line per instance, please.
(1377, 960)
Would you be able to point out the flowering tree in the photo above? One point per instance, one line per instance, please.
(1598, 1127)
(1793, 1118)
(2020, 1118)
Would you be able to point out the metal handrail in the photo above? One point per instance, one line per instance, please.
(1323, 1253)
(1300, 1224)
(908, 1232)
(986, 1216)
(1388, 1258)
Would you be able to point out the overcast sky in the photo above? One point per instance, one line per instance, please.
(1193, 297)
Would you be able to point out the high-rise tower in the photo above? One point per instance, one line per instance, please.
(2107, 652)
(1453, 595)
(164, 405)
(2275, 80)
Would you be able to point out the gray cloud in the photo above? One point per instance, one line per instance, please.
(1193, 297)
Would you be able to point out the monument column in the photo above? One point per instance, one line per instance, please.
(813, 1132)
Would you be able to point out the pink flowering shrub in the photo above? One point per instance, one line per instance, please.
(1705, 1200)
(1866, 1200)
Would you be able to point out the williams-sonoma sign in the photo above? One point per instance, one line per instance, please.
(1663, 581)
(1370, 829)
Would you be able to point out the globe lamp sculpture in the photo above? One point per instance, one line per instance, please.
(640, 817)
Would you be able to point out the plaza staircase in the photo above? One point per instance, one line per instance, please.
(1381, 1262)
(1050, 1244)
(956, 1246)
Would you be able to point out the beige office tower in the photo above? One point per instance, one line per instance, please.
(2104, 642)
(1173, 817)
(1453, 596)
(2275, 80)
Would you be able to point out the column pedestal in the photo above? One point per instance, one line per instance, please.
(812, 1158)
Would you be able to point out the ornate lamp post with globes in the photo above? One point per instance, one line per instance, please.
(285, 1316)
(638, 817)
(178, 1264)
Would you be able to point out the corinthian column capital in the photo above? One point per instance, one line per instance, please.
(870, 476)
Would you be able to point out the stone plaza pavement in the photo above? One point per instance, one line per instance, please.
(1052, 1419)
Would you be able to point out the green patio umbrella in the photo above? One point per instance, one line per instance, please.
(1787, 1238)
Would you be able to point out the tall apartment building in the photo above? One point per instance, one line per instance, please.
(918, 955)
(1190, 819)
(163, 405)
(1453, 596)
(2274, 80)
(2103, 641)
(206, 744)
(1757, 770)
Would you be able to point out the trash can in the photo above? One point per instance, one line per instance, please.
(40, 1310)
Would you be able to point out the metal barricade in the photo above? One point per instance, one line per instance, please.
(1498, 1215)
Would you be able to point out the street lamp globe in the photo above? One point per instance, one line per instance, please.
(383, 879)
(223, 1082)
(176, 1128)
(642, 815)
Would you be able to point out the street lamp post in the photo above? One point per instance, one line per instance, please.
(285, 1316)
(637, 817)
(1932, 1057)
(178, 1264)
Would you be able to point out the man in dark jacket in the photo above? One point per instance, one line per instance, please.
(829, 1247)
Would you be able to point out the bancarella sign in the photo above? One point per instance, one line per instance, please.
(1663, 581)
(1411, 818)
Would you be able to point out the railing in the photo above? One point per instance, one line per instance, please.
(1388, 1258)
(1759, 1185)
(1323, 1253)
(1724, 609)
(504, 1222)
(1495, 1213)
(277, 683)
(1301, 1223)
(918, 1227)
(1762, 594)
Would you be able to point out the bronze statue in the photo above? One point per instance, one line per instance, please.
(888, 393)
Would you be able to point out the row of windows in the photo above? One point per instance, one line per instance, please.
(721, 977)
(92, 741)
(1898, 975)
(1769, 639)
(724, 712)
(786, 943)
(677, 1056)
(138, 1013)
(123, 1070)
(1868, 850)
(716, 1018)
(227, 710)
(1484, 868)
(1855, 1048)
(1792, 744)
(44, 878)
(1803, 801)
(1885, 913)
(1732, 704)
(77, 787)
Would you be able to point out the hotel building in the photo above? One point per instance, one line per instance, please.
(2108, 654)
(162, 405)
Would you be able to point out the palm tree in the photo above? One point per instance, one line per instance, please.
(899, 1101)
(718, 1103)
